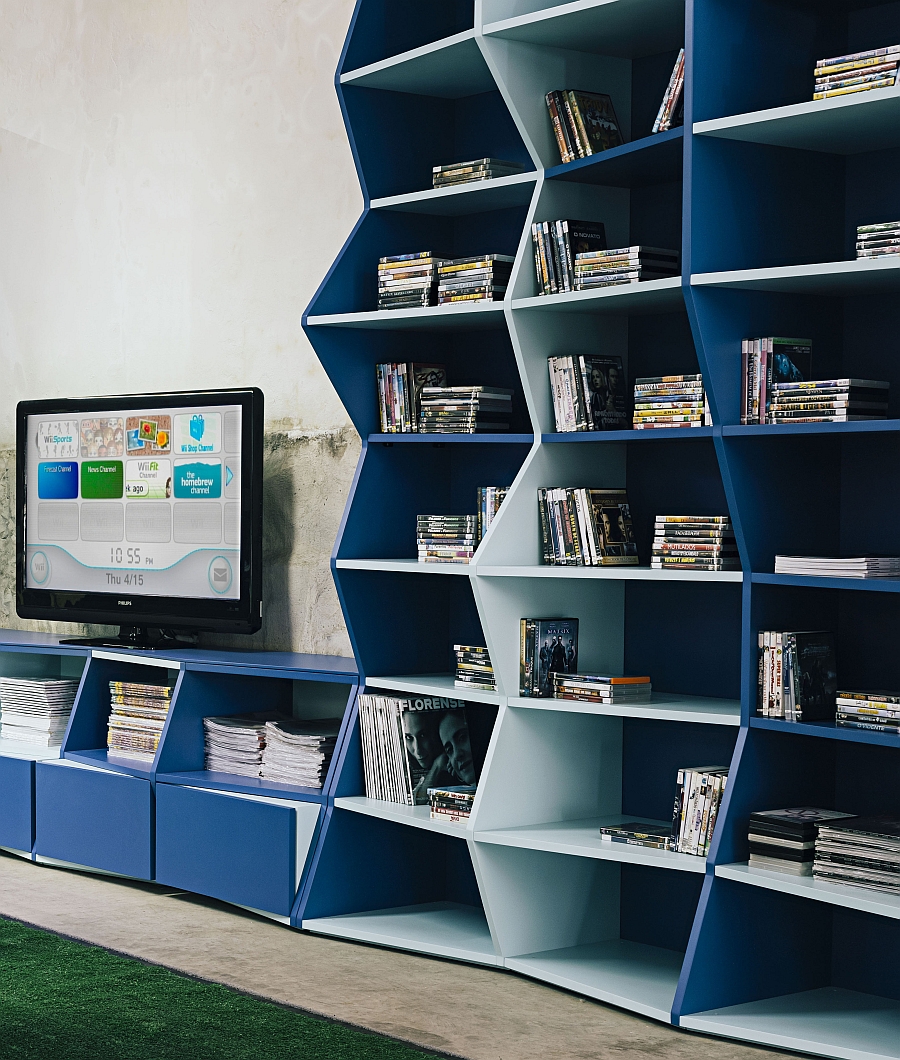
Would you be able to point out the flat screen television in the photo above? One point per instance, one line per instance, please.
(143, 511)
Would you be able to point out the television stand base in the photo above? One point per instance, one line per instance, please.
(140, 638)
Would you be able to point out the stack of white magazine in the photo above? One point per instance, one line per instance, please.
(235, 744)
(829, 567)
(35, 710)
(299, 752)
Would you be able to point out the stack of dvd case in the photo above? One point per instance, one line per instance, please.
(483, 277)
(473, 668)
(796, 675)
(475, 170)
(670, 401)
(36, 710)
(671, 110)
(698, 796)
(829, 401)
(876, 241)
(407, 281)
(860, 852)
(655, 835)
(694, 542)
(857, 72)
(586, 528)
(874, 711)
(464, 409)
(298, 752)
(785, 840)
(556, 244)
(136, 720)
(832, 567)
(547, 646)
(584, 123)
(399, 393)
(446, 538)
(588, 393)
(602, 688)
(489, 499)
(453, 805)
(607, 268)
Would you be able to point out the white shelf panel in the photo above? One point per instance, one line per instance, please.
(449, 68)
(582, 839)
(828, 278)
(637, 977)
(432, 685)
(477, 197)
(414, 816)
(845, 125)
(428, 318)
(442, 929)
(830, 1021)
(663, 706)
(22, 749)
(652, 296)
(866, 900)
(405, 566)
(616, 574)
(627, 28)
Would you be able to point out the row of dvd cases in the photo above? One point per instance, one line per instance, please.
(762, 191)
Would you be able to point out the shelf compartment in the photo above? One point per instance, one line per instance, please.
(701, 710)
(809, 581)
(768, 430)
(478, 197)
(432, 685)
(651, 296)
(414, 816)
(651, 160)
(662, 434)
(415, 438)
(404, 566)
(621, 574)
(827, 730)
(450, 69)
(231, 782)
(440, 929)
(480, 315)
(98, 758)
(842, 278)
(383, 30)
(829, 1021)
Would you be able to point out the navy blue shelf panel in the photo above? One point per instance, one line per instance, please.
(799, 581)
(827, 730)
(17, 800)
(416, 438)
(764, 430)
(663, 434)
(382, 28)
(652, 160)
(100, 757)
(206, 778)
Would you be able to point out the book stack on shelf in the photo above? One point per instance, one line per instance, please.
(489, 499)
(453, 805)
(785, 840)
(671, 110)
(670, 401)
(412, 744)
(547, 646)
(586, 528)
(610, 268)
(694, 542)
(796, 675)
(473, 668)
(136, 721)
(36, 710)
(857, 72)
(584, 123)
(299, 752)
(464, 409)
(408, 281)
(832, 567)
(400, 392)
(602, 688)
(588, 393)
(483, 277)
(877, 241)
(766, 363)
(829, 401)
(235, 743)
(556, 245)
(874, 711)
(698, 796)
(446, 538)
(469, 172)
(860, 852)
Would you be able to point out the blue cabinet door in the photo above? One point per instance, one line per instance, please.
(93, 818)
(16, 803)
(242, 850)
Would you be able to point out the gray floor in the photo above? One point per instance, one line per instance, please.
(473, 1012)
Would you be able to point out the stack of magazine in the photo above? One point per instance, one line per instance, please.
(876, 241)
(36, 710)
(609, 268)
(299, 752)
(694, 542)
(796, 675)
(873, 711)
(548, 646)
(234, 743)
(136, 721)
(670, 401)
(586, 528)
(473, 668)
(478, 169)
(399, 393)
(464, 409)
(588, 392)
(584, 123)
(556, 245)
(602, 688)
(860, 852)
(785, 840)
(832, 567)
(698, 796)
(844, 75)
(483, 277)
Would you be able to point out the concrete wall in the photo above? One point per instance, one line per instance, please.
(174, 182)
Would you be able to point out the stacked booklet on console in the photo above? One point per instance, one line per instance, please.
(234, 744)
(299, 752)
(35, 710)
(136, 721)
(832, 567)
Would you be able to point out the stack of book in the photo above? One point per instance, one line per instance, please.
(875, 241)
(608, 268)
(766, 363)
(588, 393)
(671, 110)
(694, 542)
(136, 721)
(856, 72)
(860, 852)
(453, 805)
(468, 172)
(446, 538)
(829, 401)
(547, 646)
(407, 281)
(473, 668)
(785, 840)
(875, 711)
(586, 528)
(670, 401)
(698, 795)
(601, 688)
(36, 710)
(483, 277)
(655, 835)
(299, 752)
(584, 123)
(234, 744)
(399, 393)
(831, 567)
(489, 499)
(464, 409)
(796, 675)
(556, 244)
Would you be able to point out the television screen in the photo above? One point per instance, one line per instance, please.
(142, 509)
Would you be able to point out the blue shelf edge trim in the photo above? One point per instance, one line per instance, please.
(769, 430)
(827, 730)
(661, 434)
(806, 581)
(414, 438)
(205, 778)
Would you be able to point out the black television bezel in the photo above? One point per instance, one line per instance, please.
(243, 615)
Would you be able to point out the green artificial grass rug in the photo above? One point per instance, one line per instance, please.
(66, 1000)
